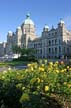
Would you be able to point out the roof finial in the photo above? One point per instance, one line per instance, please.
(52, 27)
(60, 19)
(28, 15)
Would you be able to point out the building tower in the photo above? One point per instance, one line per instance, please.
(18, 36)
(28, 31)
(9, 42)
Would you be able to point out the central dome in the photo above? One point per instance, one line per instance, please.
(28, 20)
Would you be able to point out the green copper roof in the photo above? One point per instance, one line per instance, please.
(28, 20)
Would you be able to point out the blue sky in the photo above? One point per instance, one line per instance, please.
(13, 13)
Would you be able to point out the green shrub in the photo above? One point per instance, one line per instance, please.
(40, 85)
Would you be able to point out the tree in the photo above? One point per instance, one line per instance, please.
(27, 52)
(16, 49)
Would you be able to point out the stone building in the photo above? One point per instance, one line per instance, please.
(53, 43)
(2, 49)
(23, 34)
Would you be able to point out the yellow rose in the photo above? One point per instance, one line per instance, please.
(51, 63)
(62, 70)
(41, 69)
(65, 83)
(57, 71)
(32, 69)
(46, 88)
(38, 87)
(65, 70)
(42, 81)
(42, 65)
(29, 65)
(69, 85)
(4, 72)
(38, 80)
(9, 68)
(23, 88)
(67, 67)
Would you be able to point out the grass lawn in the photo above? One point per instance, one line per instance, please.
(13, 63)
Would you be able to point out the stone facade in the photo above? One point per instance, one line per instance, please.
(53, 43)
(2, 49)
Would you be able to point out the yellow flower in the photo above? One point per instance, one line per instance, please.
(62, 70)
(4, 72)
(42, 81)
(38, 80)
(65, 83)
(32, 69)
(69, 85)
(42, 65)
(51, 63)
(3, 77)
(23, 88)
(55, 65)
(65, 70)
(41, 69)
(35, 65)
(26, 70)
(38, 87)
(67, 67)
(9, 68)
(46, 88)
(29, 65)
(57, 71)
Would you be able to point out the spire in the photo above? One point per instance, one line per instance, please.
(60, 19)
(52, 27)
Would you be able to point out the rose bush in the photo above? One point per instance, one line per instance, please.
(38, 86)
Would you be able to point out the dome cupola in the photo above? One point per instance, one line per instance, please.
(10, 33)
(28, 20)
(61, 23)
(18, 27)
(46, 28)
